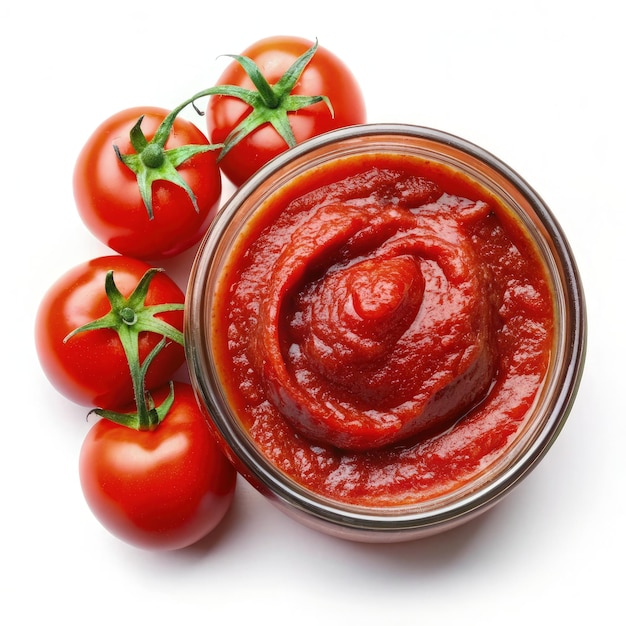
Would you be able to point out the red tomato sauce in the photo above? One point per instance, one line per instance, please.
(382, 329)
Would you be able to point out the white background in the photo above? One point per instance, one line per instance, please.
(539, 84)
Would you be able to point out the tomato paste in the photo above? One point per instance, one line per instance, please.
(382, 328)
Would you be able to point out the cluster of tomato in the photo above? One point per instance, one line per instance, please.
(109, 333)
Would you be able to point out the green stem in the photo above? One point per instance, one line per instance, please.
(129, 317)
(270, 104)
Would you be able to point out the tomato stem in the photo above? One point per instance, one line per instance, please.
(152, 162)
(153, 156)
(269, 104)
(129, 317)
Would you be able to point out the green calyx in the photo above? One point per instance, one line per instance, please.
(152, 162)
(129, 317)
(270, 103)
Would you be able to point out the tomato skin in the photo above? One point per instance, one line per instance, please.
(108, 198)
(158, 490)
(325, 75)
(91, 368)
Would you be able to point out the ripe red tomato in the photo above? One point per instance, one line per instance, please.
(324, 75)
(162, 489)
(109, 200)
(91, 368)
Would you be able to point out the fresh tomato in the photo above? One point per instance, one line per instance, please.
(161, 200)
(91, 368)
(160, 489)
(265, 123)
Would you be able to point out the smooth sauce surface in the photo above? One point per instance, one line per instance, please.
(382, 330)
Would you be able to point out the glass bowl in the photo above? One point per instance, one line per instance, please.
(413, 514)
